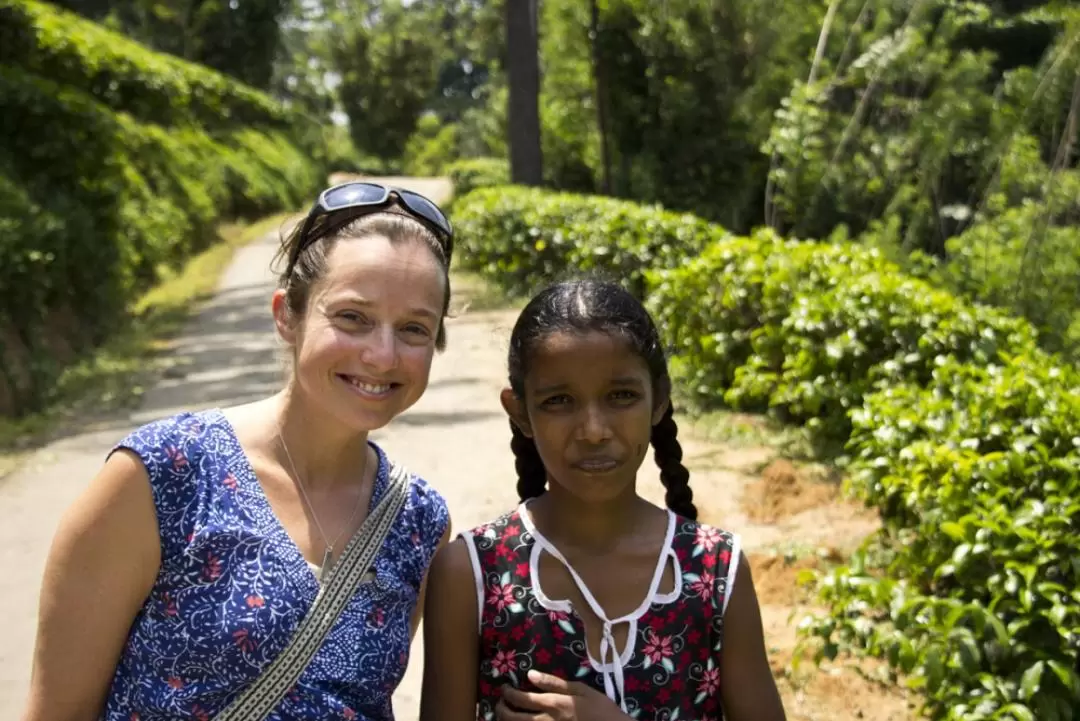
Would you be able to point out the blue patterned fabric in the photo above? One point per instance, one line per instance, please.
(233, 586)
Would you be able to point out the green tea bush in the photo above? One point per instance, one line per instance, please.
(94, 200)
(124, 75)
(524, 237)
(468, 175)
(972, 588)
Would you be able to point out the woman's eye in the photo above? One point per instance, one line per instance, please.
(351, 316)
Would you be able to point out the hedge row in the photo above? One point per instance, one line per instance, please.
(95, 201)
(122, 74)
(961, 432)
(472, 173)
(523, 236)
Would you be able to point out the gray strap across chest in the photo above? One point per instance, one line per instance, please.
(267, 691)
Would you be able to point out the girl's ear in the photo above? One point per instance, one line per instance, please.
(284, 322)
(515, 408)
(661, 402)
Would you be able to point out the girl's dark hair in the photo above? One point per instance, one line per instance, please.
(310, 266)
(584, 306)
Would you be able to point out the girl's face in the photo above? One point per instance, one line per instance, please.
(589, 406)
(364, 348)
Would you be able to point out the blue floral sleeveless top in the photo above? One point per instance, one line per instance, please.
(233, 587)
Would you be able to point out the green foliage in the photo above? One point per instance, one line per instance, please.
(524, 237)
(96, 202)
(124, 75)
(805, 330)
(468, 175)
(387, 61)
(971, 587)
(431, 148)
(910, 116)
(239, 39)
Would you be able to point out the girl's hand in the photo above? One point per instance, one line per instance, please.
(558, 700)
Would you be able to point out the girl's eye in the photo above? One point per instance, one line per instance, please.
(553, 401)
(417, 329)
(625, 396)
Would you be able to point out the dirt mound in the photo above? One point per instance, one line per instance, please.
(782, 491)
(776, 577)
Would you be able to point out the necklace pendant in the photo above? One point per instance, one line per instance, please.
(324, 571)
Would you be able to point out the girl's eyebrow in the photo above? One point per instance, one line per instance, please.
(544, 390)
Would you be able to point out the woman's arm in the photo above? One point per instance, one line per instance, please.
(747, 687)
(451, 638)
(101, 567)
(418, 612)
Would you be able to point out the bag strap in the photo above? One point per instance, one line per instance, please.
(267, 691)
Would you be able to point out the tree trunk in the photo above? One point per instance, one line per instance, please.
(523, 73)
(601, 97)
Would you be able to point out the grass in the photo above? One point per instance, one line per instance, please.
(115, 375)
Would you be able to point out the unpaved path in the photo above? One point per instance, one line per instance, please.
(456, 436)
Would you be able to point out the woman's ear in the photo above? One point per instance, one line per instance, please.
(515, 408)
(284, 322)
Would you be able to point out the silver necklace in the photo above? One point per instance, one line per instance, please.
(328, 553)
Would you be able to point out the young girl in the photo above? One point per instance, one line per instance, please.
(588, 602)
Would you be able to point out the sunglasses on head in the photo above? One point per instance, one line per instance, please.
(370, 197)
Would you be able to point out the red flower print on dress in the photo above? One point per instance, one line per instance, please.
(501, 596)
(705, 539)
(243, 641)
(212, 568)
(658, 649)
(200, 714)
(709, 684)
(703, 585)
(179, 460)
(377, 618)
(561, 619)
(229, 481)
(504, 662)
(543, 656)
(725, 557)
(175, 683)
(255, 602)
(348, 713)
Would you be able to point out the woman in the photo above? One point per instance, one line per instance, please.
(189, 564)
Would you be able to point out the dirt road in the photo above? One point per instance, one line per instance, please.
(457, 437)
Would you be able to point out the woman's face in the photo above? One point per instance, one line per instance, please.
(363, 349)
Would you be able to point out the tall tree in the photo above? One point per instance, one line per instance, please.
(387, 58)
(523, 74)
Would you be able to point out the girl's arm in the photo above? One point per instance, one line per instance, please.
(747, 687)
(101, 567)
(451, 638)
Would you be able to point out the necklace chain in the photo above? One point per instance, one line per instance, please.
(328, 547)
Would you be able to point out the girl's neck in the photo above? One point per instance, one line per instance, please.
(324, 452)
(571, 523)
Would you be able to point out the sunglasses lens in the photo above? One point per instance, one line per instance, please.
(422, 206)
(354, 194)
